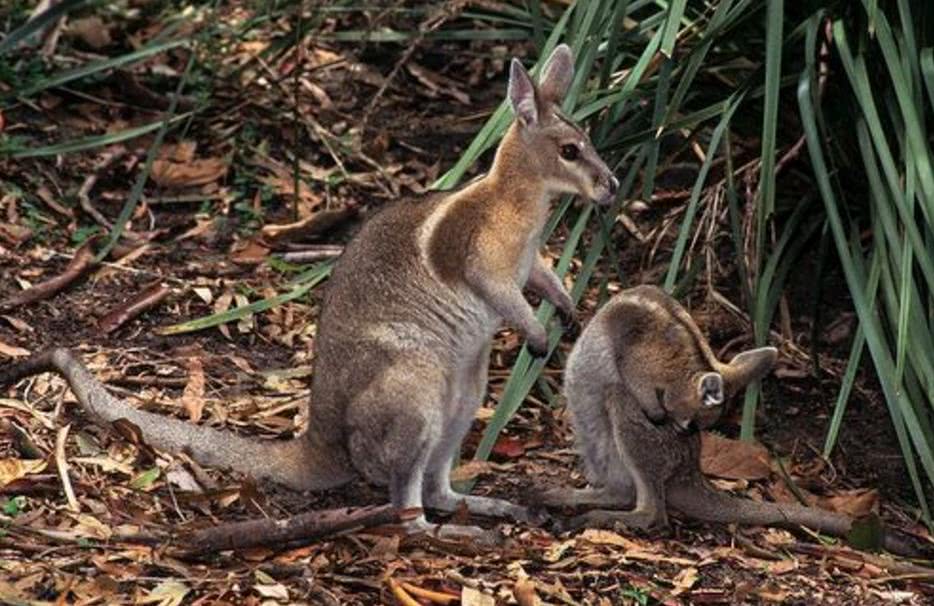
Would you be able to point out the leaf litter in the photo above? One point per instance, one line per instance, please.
(223, 201)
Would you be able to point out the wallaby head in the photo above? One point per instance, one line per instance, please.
(562, 154)
(667, 364)
(699, 397)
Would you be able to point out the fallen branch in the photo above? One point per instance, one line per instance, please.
(77, 267)
(62, 464)
(120, 315)
(306, 527)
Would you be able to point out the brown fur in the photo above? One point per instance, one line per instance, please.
(404, 336)
(633, 391)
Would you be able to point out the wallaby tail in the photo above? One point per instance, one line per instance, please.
(295, 463)
(698, 499)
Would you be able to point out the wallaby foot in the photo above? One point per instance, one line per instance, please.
(582, 497)
(449, 501)
(455, 532)
(639, 519)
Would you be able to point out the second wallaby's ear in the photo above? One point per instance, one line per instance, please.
(557, 74)
(711, 390)
(522, 94)
(748, 366)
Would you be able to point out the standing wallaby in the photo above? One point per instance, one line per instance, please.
(407, 322)
(639, 383)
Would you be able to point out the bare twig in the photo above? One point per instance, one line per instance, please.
(318, 253)
(123, 313)
(81, 262)
(62, 463)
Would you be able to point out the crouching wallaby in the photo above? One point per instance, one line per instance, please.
(639, 383)
(407, 322)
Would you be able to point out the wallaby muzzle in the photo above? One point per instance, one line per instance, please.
(605, 191)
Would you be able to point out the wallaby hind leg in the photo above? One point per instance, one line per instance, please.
(468, 391)
(650, 509)
(392, 431)
(648, 512)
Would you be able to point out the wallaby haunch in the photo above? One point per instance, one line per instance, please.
(639, 382)
(407, 322)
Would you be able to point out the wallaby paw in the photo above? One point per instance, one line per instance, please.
(538, 347)
(570, 323)
(538, 516)
(615, 520)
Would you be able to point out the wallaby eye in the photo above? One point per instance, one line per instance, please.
(570, 152)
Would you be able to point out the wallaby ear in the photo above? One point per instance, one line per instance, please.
(711, 389)
(522, 94)
(748, 366)
(557, 74)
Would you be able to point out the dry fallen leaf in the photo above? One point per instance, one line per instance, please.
(782, 566)
(684, 580)
(167, 593)
(14, 469)
(12, 351)
(525, 594)
(475, 597)
(854, 503)
(193, 396)
(470, 470)
(91, 31)
(733, 459)
(608, 537)
(194, 172)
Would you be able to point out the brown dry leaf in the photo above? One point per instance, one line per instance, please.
(684, 580)
(12, 351)
(181, 152)
(733, 459)
(854, 503)
(608, 537)
(221, 305)
(167, 593)
(475, 597)
(250, 253)
(525, 594)
(14, 469)
(193, 396)
(14, 234)
(470, 470)
(782, 566)
(196, 172)
(91, 31)
(283, 183)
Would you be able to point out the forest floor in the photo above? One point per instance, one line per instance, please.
(374, 122)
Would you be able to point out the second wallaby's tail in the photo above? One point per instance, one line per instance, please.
(296, 463)
(699, 500)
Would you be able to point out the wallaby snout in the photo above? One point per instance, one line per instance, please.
(605, 192)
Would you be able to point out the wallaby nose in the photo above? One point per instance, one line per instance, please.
(613, 185)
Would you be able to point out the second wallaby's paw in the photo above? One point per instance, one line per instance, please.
(570, 322)
(538, 517)
(611, 519)
(538, 344)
